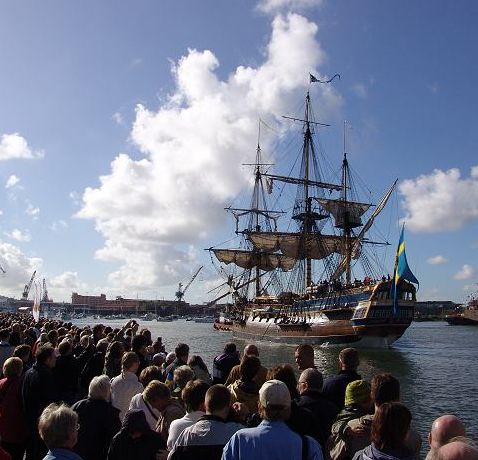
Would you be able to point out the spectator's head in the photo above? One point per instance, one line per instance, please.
(196, 360)
(84, 340)
(13, 367)
(274, 401)
(53, 337)
(443, 429)
(304, 356)
(4, 335)
(158, 359)
(384, 388)
(249, 367)
(135, 424)
(455, 450)
(23, 352)
(251, 350)
(182, 352)
(357, 395)
(139, 344)
(102, 346)
(150, 373)
(182, 375)
(45, 355)
(65, 348)
(230, 348)
(349, 359)
(98, 331)
(285, 373)
(100, 388)
(170, 357)
(115, 349)
(390, 426)
(310, 380)
(157, 394)
(130, 362)
(194, 394)
(146, 333)
(58, 426)
(217, 401)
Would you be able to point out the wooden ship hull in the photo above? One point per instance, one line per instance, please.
(370, 323)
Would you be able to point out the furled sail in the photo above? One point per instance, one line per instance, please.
(346, 213)
(291, 244)
(251, 259)
(356, 245)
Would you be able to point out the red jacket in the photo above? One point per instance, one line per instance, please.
(13, 427)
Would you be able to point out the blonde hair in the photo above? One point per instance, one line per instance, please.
(13, 367)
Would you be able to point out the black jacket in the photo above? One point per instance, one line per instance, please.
(334, 387)
(38, 391)
(66, 374)
(323, 410)
(99, 422)
(145, 447)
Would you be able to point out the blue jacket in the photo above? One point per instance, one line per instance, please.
(61, 454)
(269, 441)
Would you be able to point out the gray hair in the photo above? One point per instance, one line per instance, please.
(56, 425)
(100, 388)
(182, 375)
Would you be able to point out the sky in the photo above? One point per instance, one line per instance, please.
(124, 125)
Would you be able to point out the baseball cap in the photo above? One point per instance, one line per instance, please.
(274, 393)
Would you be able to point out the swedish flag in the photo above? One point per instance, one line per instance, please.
(402, 270)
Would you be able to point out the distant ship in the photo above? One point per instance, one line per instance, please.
(467, 315)
(302, 284)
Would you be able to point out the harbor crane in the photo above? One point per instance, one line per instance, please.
(45, 297)
(26, 289)
(2, 270)
(180, 292)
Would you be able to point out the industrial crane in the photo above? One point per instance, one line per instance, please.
(2, 270)
(180, 292)
(45, 297)
(27, 287)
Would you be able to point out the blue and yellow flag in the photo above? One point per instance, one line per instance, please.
(402, 270)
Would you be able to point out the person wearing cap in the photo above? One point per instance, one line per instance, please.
(135, 440)
(384, 388)
(357, 404)
(272, 439)
(334, 386)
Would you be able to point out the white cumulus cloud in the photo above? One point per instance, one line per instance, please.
(440, 201)
(66, 280)
(33, 211)
(19, 268)
(466, 272)
(18, 235)
(12, 181)
(150, 210)
(274, 6)
(14, 146)
(58, 225)
(437, 260)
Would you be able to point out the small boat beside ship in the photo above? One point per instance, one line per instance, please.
(303, 284)
(465, 315)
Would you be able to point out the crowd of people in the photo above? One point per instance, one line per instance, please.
(98, 393)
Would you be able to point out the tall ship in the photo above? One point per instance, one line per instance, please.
(304, 269)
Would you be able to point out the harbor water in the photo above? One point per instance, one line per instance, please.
(435, 363)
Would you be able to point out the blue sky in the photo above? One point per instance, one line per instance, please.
(123, 126)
